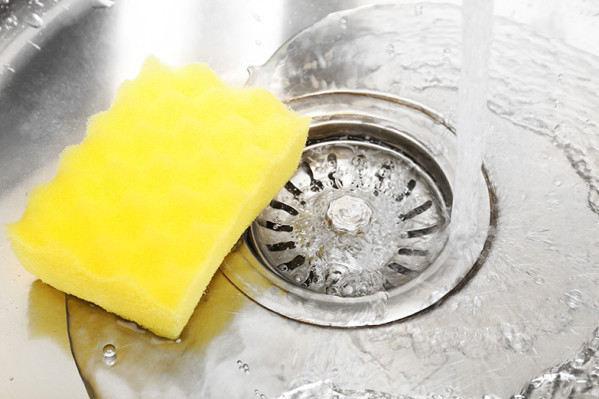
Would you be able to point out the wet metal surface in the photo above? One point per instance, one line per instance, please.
(532, 307)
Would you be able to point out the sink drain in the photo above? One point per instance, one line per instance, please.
(355, 219)
(358, 236)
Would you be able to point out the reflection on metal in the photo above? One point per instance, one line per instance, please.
(533, 304)
(401, 262)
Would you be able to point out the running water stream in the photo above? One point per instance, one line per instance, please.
(477, 22)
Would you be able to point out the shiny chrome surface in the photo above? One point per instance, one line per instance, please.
(57, 72)
(428, 143)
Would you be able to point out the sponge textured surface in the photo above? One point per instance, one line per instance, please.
(142, 212)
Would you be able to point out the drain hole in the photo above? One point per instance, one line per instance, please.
(416, 211)
(292, 264)
(275, 226)
(281, 246)
(409, 187)
(289, 186)
(412, 252)
(315, 185)
(358, 235)
(335, 183)
(396, 267)
(422, 232)
(284, 207)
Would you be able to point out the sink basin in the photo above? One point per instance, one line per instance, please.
(515, 313)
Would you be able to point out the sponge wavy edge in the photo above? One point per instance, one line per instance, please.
(140, 215)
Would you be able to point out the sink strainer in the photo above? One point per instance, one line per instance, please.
(358, 236)
(355, 219)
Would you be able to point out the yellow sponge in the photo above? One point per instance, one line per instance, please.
(142, 212)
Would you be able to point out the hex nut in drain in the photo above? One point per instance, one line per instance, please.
(358, 236)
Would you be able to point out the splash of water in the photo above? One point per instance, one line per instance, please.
(576, 378)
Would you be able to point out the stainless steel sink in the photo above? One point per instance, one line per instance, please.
(516, 316)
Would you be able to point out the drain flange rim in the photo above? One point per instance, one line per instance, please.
(244, 268)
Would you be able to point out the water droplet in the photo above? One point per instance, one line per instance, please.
(418, 9)
(34, 20)
(109, 352)
(258, 42)
(102, 3)
(343, 23)
(11, 378)
(6, 1)
(259, 395)
(246, 368)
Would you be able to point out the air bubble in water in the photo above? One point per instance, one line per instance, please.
(359, 161)
(243, 366)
